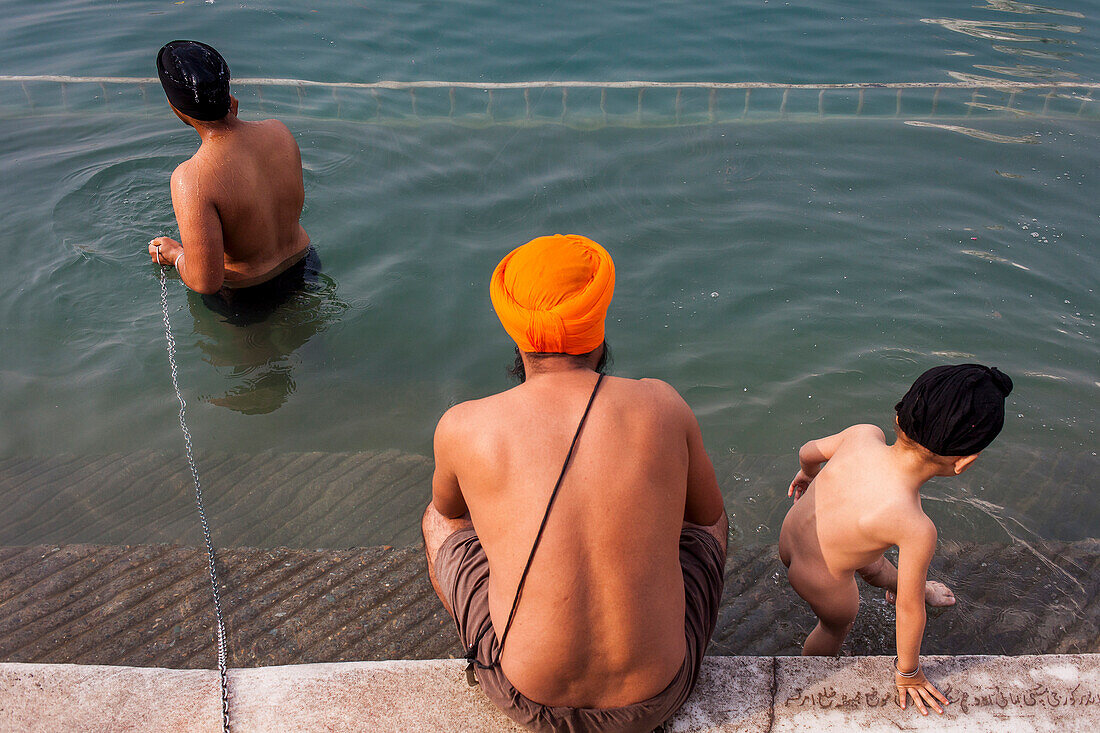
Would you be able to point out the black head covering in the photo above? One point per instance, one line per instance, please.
(955, 410)
(195, 78)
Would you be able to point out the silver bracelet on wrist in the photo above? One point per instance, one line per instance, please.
(907, 675)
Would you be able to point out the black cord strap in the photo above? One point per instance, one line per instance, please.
(471, 652)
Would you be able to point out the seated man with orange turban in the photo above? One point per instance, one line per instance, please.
(576, 533)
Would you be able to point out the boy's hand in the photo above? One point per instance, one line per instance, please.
(165, 251)
(799, 485)
(921, 690)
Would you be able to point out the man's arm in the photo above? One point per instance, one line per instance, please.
(446, 493)
(703, 505)
(815, 453)
(203, 268)
(447, 511)
(915, 552)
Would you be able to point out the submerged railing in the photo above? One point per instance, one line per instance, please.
(579, 104)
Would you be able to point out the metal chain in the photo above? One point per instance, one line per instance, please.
(222, 671)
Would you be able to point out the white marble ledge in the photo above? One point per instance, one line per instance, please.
(1002, 694)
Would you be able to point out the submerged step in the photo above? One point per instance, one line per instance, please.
(367, 498)
(270, 499)
(150, 605)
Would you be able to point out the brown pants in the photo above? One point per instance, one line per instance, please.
(463, 573)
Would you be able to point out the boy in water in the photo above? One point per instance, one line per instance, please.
(238, 199)
(866, 499)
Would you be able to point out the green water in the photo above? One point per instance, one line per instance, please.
(788, 276)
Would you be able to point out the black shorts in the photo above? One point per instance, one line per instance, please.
(245, 306)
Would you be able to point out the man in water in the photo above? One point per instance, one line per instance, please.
(238, 199)
(604, 587)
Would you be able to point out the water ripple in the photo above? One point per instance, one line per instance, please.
(1001, 30)
(1012, 6)
(117, 208)
(979, 134)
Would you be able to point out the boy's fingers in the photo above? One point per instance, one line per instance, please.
(939, 695)
(930, 699)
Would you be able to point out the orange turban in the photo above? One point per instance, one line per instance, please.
(552, 294)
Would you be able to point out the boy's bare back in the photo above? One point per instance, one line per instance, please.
(248, 181)
(859, 505)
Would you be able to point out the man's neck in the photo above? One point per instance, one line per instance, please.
(214, 130)
(558, 364)
(555, 367)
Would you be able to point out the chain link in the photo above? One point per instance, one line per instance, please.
(223, 674)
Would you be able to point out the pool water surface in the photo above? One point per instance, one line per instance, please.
(788, 265)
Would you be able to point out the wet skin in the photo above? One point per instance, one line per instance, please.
(237, 202)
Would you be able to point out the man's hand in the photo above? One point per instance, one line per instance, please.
(799, 485)
(165, 251)
(920, 689)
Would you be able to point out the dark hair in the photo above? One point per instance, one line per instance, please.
(605, 363)
(195, 79)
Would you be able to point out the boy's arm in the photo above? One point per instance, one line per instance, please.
(203, 268)
(813, 454)
(915, 552)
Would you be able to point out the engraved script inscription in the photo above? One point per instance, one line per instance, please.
(999, 697)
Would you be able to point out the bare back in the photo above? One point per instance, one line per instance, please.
(853, 509)
(247, 181)
(601, 620)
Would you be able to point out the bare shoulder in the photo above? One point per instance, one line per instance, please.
(466, 416)
(452, 420)
(184, 173)
(660, 392)
(188, 180)
(860, 437)
(903, 523)
(274, 124)
(919, 527)
(916, 534)
(865, 432)
(276, 130)
(663, 399)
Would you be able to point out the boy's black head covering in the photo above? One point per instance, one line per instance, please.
(195, 78)
(955, 410)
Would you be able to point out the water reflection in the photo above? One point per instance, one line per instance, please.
(252, 336)
(1003, 30)
(1011, 111)
(992, 258)
(991, 137)
(1014, 31)
(1011, 6)
(1034, 53)
(1028, 71)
